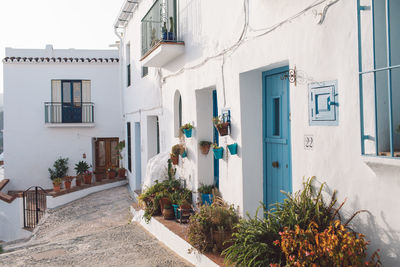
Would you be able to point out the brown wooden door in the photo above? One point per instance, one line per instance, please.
(106, 154)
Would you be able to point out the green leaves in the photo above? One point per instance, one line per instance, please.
(60, 168)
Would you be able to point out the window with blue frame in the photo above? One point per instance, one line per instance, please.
(379, 76)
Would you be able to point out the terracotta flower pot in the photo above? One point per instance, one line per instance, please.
(168, 214)
(78, 181)
(67, 184)
(87, 178)
(111, 174)
(57, 187)
(223, 128)
(205, 149)
(121, 173)
(175, 159)
(99, 177)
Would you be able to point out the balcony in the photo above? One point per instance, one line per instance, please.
(160, 42)
(59, 114)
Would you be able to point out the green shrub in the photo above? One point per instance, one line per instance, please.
(254, 237)
(217, 217)
(60, 168)
(205, 189)
(1, 249)
(170, 188)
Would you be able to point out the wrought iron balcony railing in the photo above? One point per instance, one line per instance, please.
(159, 25)
(57, 112)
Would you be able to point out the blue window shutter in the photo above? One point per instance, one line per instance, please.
(323, 103)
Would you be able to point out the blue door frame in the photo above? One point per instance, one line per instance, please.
(276, 136)
(215, 138)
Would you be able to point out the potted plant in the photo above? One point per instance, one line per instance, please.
(57, 184)
(206, 194)
(176, 150)
(164, 31)
(121, 171)
(168, 212)
(111, 173)
(81, 167)
(187, 130)
(218, 151)
(87, 177)
(233, 148)
(171, 29)
(59, 170)
(205, 147)
(221, 126)
(67, 182)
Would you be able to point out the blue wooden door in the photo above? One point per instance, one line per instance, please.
(277, 154)
(215, 139)
(71, 101)
(138, 156)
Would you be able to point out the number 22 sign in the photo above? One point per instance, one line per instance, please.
(308, 142)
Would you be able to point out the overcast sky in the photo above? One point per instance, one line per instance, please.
(62, 23)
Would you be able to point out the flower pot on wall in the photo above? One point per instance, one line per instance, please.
(121, 172)
(111, 175)
(87, 178)
(78, 180)
(205, 149)
(170, 36)
(67, 184)
(188, 132)
(56, 187)
(223, 128)
(233, 148)
(218, 152)
(184, 154)
(175, 159)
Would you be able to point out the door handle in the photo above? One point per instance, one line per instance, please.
(275, 164)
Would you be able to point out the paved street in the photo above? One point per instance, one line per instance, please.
(93, 231)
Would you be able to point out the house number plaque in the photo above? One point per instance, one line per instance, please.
(308, 142)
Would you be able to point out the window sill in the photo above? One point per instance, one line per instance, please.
(382, 165)
(70, 125)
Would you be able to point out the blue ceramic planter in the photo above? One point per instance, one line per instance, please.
(233, 148)
(170, 36)
(165, 36)
(187, 132)
(218, 152)
(184, 154)
(176, 212)
(206, 199)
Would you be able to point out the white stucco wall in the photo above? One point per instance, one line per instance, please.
(30, 146)
(320, 53)
(12, 221)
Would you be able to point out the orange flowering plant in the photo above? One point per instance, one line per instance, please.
(335, 245)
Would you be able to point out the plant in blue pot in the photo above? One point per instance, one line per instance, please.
(171, 29)
(233, 148)
(187, 129)
(205, 192)
(164, 31)
(218, 151)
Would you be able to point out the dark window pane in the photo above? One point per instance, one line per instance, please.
(276, 118)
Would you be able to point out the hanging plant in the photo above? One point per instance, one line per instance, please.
(221, 125)
(233, 148)
(187, 130)
(218, 151)
(205, 147)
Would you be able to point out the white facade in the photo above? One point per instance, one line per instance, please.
(32, 144)
(227, 47)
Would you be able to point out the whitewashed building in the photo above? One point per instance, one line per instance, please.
(311, 88)
(59, 103)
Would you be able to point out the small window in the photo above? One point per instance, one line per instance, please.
(128, 65)
(128, 138)
(277, 116)
(145, 71)
(323, 103)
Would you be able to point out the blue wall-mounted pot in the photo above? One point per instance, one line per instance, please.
(206, 199)
(187, 132)
(233, 148)
(184, 154)
(218, 152)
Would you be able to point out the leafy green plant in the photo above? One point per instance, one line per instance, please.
(60, 168)
(57, 181)
(187, 126)
(205, 189)
(81, 167)
(171, 189)
(1, 249)
(171, 170)
(216, 217)
(215, 146)
(254, 237)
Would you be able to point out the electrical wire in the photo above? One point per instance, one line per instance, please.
(242, 39)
